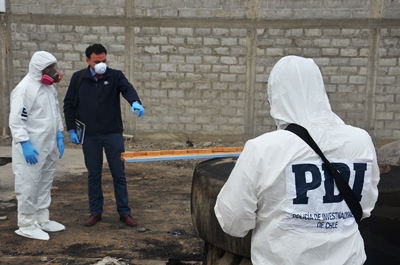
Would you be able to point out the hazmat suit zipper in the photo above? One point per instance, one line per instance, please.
(51, 97)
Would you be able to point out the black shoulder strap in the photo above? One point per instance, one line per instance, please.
(344, 188)
(78, 84)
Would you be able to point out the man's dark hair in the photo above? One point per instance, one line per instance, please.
(96, 49)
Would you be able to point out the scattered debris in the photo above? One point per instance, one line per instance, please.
(172, 261)
(110, 261)
(128, 137)
(176, 233)
(189, 143)
(143, 229)
(207, 144)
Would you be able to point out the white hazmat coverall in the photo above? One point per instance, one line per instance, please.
(35, 117)
(278, 186)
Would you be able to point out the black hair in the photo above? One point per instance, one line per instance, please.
(96, 49)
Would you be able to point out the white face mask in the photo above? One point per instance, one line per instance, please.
(100, 68)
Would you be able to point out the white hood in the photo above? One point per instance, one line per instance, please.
(296, 96)
(39, 61)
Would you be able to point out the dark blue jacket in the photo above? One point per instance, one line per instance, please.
(98, 103)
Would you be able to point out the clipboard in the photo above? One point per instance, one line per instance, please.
(80, 130)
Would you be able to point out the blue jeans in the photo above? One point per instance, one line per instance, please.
(113, 145)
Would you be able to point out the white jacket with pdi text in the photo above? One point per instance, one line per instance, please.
(279, 187)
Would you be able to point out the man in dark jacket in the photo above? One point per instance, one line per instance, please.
(93, 98)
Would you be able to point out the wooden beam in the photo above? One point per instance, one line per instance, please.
(164, 155)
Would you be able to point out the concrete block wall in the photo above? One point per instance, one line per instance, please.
(67, 43)
(200, 67)
(266, 9)
(194, 78)
(387, 101)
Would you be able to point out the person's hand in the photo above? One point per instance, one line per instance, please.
(136, 106)
(29, 152)
(73, 137)
(60, 143)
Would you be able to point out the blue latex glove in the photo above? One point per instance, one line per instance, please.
(73, 137)
(60, 143)
(29, 152)
(136, 106)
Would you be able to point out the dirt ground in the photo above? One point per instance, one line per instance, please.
(160, 203)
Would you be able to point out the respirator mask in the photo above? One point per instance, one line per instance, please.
(52, 76)
(100, 68)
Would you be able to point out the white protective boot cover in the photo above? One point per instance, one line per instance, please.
(46, 224)
(33, 231)
(52, 226)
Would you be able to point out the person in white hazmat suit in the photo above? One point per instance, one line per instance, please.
(36, 128)
(273, 171)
